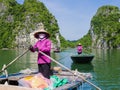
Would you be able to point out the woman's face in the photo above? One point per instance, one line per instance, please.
(42, 35)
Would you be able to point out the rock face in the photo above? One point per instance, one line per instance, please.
(25, 40)
(19, 22)
(105, 28)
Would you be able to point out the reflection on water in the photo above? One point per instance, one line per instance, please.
(26, 61)
(82, 67)
(107, 69)
(63, 58)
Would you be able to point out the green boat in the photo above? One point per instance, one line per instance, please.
(82, 58)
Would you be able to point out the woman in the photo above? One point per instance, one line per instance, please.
(44, 45)
(79, 48)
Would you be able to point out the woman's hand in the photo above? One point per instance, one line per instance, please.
(36, 49)
(30, 47)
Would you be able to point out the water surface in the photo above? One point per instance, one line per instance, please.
(105, 66)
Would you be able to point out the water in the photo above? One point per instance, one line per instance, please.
(105, 66)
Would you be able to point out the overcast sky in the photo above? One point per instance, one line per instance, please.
(74, 16)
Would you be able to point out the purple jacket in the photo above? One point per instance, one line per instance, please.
(45, 47)
(79, 48)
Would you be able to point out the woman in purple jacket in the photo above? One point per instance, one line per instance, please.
(79, 48)
(43, 44)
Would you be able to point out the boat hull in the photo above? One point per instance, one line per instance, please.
(13, 81)
(11, 87)
(82, 58)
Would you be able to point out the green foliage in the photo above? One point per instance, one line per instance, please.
(106, 24)
(15, 18)
(85, 41)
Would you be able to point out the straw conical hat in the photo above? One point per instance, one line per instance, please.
(36, 34)
(79, 44)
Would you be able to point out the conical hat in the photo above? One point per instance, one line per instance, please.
(36, 34)
(79, 44)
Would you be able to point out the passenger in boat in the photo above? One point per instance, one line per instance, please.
(79, 48)
(44, 45)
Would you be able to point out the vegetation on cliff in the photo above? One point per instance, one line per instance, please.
(104, 30)
(16, 18)
(105, 26)
(20, 19)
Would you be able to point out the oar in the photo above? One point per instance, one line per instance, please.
(14, 60)
(70, 71)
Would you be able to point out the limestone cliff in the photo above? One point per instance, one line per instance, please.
(19, 21)
(105, 27)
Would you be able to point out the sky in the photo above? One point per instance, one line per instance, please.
(74, 16)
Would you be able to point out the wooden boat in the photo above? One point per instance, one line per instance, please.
(13, 84)
(82, 58)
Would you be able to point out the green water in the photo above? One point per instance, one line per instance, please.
(26, 61)
(105, 66)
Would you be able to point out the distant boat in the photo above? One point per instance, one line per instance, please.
(82, 58)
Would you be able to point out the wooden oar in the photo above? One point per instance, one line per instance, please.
(14, 60)
(70, 70)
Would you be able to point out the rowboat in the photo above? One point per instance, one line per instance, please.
(13, 80)
(82, 58)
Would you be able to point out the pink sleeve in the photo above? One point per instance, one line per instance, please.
(33, 48)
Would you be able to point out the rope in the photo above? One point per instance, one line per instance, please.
(70, 70)
(14, 60)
